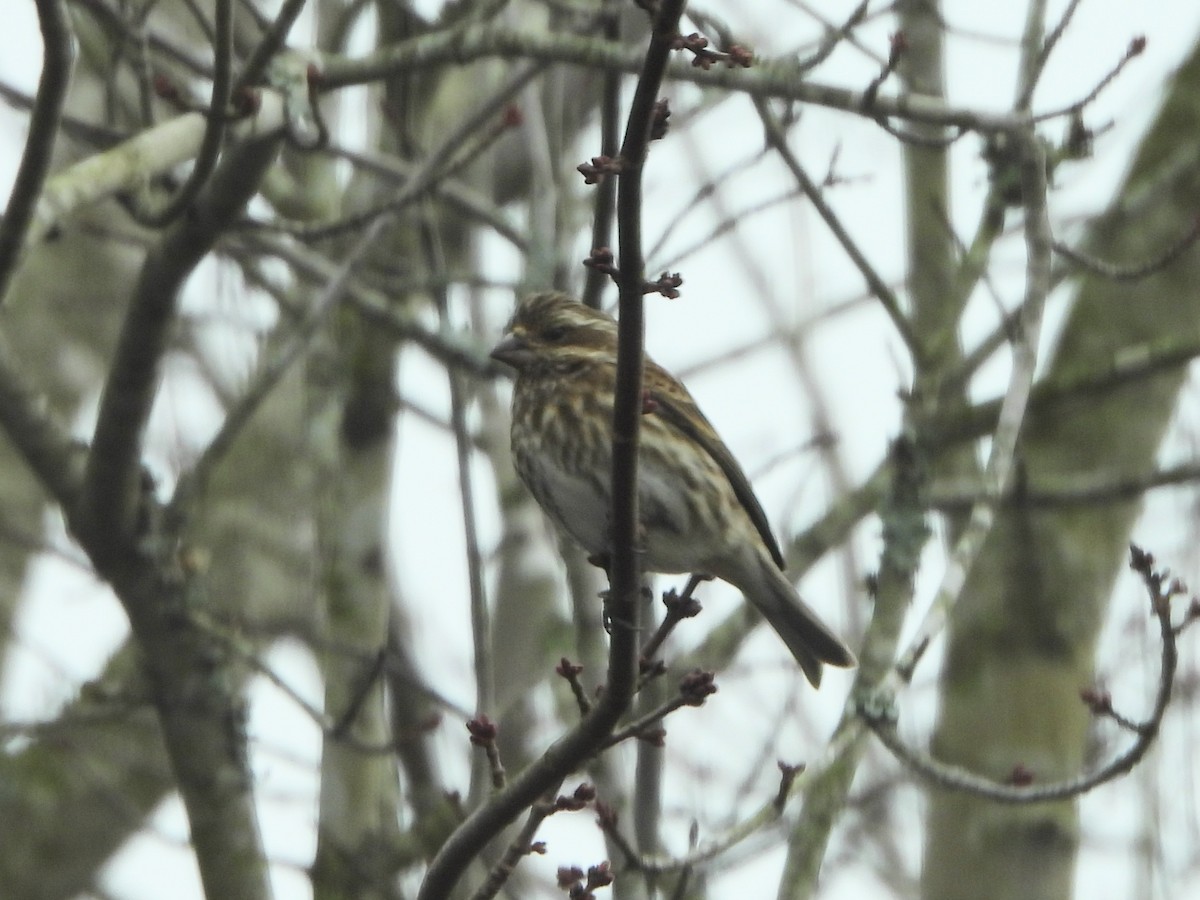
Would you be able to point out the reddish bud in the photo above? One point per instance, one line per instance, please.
(165, 88)
(1098, 701)
(695, 686)
(1020, 776)
(655, 737)
(659, 122)
(483, 730)
(600, 876)
(247, 101)
(606, 816)
(739, 57)
(568, 876)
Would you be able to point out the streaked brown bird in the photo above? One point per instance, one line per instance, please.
(697, 510)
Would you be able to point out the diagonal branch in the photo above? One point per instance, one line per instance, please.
(42, 441)
(880, 288)
(113, 468)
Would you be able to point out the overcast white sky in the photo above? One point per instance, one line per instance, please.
(808, 273)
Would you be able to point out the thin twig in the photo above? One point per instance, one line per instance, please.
(1032, 59)
(460, 196)
(604, 205)
(518, 848)
(1136, 47)
(1033, 71)
(883, 724)
(270, 44)
(57, 56)
(455, 152)
(214, 131)
(336, 285)
(449, 348)
(880, 288)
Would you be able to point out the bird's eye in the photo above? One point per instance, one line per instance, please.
(555, 333)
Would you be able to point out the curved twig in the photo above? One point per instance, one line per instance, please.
(43, 129)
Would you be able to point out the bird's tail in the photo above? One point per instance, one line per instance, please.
(809, 639)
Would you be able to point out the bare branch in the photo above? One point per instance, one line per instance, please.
(111, 481)
(214, 130)
(57, 56)
(881, 719)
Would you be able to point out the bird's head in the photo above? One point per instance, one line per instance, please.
(552, 329)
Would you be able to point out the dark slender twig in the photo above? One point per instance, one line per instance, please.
(641, 726)
(90, 133)
(570, 673)
(699, 854)
(604, 205)
(449, 348)
(481, 618)
(1038, 65)
(457, 194)
(57, 56)
(214, 130)
(930, 142)
(880, 288)
(679, 607)
(834, 37)
(623, 601)
(520, 847)
(448, 160)
(580, 742)
(897, 48)
(270, 44)
(1136, 47)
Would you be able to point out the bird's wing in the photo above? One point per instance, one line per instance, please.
(676, 406)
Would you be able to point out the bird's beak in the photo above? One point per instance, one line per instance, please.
(512, 351)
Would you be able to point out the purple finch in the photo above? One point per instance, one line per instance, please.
(697, 510)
